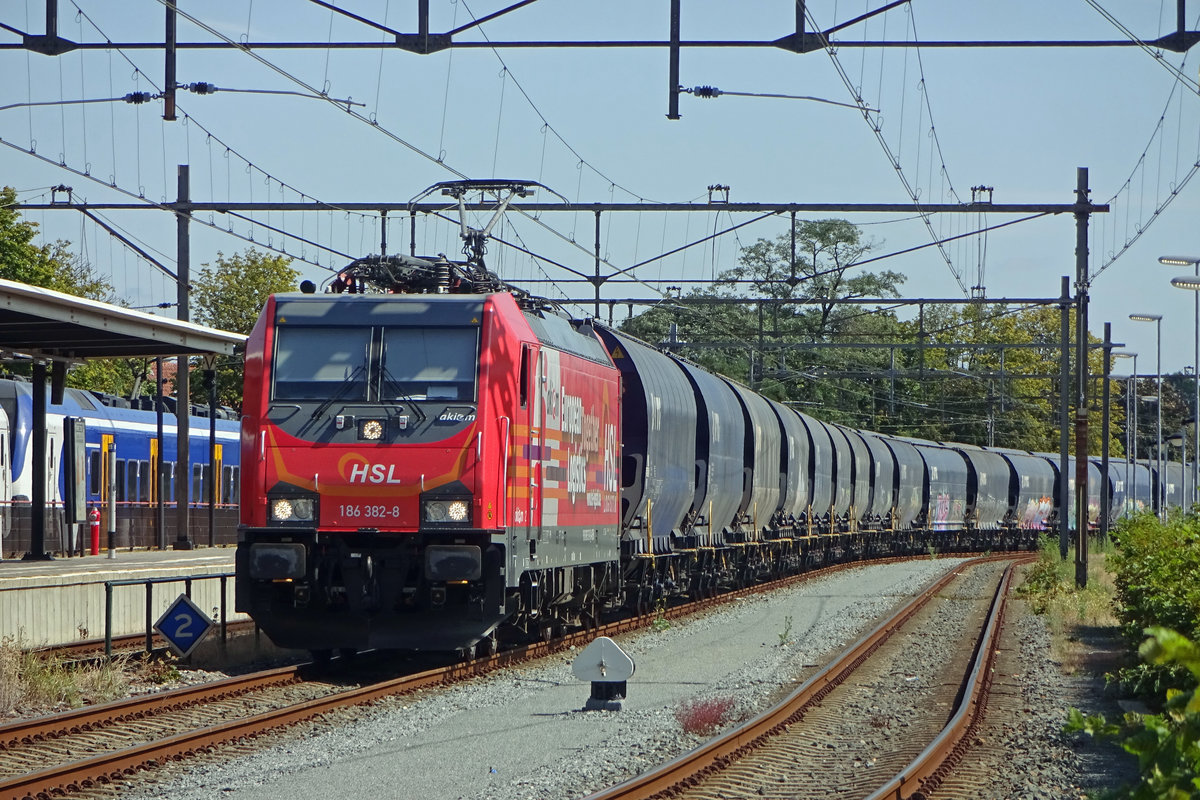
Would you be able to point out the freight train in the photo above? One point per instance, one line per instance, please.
(129, 429)
(432, 460)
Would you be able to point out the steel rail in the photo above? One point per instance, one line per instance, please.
(928, 768)
(81, 650)
(95, 716)
(693, 766)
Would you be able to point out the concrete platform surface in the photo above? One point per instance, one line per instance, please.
(64, 600)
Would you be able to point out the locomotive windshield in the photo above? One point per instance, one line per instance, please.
(313, 363)
(376, 364)
(429, 363)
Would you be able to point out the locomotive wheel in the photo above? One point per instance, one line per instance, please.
(321, 658)
(488, 645)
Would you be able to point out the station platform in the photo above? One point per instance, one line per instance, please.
(67, 601)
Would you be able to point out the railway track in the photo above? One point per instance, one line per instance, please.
(831, 739)
(81, 749)
(92, 650)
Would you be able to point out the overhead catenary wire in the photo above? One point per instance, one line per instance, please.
(876, 129)
(1158, 134)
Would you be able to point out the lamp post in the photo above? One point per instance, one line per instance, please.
(1157, 320)
(1191, 282)
(1130, 431)
(1180, 440)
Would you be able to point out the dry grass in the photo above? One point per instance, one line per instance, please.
(1085, 631)
(33, 681)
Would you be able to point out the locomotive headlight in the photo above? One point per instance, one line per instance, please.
(302, 508)
(446, 511)
(370, 429)
(435, 511)
(292, 510)
(282, 510)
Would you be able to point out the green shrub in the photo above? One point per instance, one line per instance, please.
(1157, 571)
(1157, 566)
(1167, 745)
(1047, 579)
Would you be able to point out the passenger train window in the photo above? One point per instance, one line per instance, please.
(144, 485)
(198, 495)
(170, 481)
(94, 472)
(229, 485)
(120, 479)
(313, 363)
(132, 469)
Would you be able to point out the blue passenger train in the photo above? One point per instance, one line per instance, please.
(128, 429)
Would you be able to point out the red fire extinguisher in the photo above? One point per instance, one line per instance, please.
(94, 519)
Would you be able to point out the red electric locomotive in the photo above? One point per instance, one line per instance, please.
(421, 467)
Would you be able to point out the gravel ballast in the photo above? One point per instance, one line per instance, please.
(521, 733)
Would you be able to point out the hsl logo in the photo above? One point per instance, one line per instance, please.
(373, 473)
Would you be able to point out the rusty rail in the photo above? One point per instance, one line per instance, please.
(927, 769)
(712, 757)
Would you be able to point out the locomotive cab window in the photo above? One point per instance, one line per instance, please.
(429, 363)
(316, 363)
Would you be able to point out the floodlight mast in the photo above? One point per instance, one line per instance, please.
(1160, 495)
(1192, 283)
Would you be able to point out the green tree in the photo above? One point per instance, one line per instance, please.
(989, 374)
(759, 322)
(228, 294)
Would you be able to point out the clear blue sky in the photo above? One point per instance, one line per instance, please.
(591, 125)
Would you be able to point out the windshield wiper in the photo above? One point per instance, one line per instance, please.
(340, 393)
(390, 382)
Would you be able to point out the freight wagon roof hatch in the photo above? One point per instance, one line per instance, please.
(41, 323)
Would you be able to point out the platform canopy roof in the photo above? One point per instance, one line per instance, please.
(40, 323)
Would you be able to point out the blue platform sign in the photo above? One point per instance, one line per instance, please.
(183, 625)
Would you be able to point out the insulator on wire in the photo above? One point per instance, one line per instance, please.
(138, 97)
(201, 88)
(706, 91)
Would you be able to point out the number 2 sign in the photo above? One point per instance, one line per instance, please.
(183, 625)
